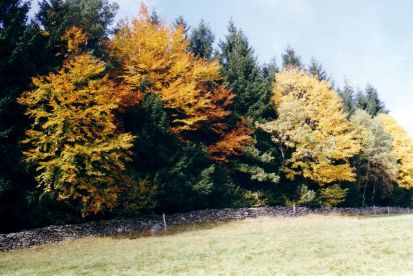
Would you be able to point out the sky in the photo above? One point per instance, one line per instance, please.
(368, 41)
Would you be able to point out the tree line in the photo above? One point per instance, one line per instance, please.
(151, 116)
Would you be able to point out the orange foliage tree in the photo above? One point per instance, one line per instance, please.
(155, 60)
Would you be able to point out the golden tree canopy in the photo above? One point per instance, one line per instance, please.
(314, 136)
(73, 140)
(402, 150)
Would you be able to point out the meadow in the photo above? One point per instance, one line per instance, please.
(301, 245)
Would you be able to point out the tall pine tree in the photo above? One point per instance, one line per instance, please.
(252, 85)
(347, 97)
(374, 104)
(290, 58)
(245, 77)
(201, 41)
(316, 69)
(180, 22)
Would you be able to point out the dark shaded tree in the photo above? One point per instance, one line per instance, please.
(270, 69)
(28, 49)
(21, 44)
(255, 170)
(92, 16)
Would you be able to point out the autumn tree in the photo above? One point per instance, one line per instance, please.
(402, 150)
(180, 113)
(155, 61)
(73, 141)
(312, 132)
(376, 164)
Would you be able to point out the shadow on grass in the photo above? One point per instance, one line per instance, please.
(172, 230)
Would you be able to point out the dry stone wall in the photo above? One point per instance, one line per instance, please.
(54, 234)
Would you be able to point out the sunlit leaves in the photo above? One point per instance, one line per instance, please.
(155, 60)
(312, 132)
(73, 140)
(402, 150)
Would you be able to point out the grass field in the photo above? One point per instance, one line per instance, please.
(303, 245)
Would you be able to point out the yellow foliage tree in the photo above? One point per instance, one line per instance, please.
(74, 38)
(155, 60)
(402, 150)
(73, 141)
(312, 132)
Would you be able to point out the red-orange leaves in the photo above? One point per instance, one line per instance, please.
(230, 144)
(127, 96)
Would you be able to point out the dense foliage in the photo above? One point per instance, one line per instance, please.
(74, 142)
(154, 118)
(314, 137)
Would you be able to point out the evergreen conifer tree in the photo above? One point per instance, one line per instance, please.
(290, 58)
(201, 41)
(316, 69)
(347, 97)
(180, 21)
(245, 77)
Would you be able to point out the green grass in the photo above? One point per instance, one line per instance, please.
(303, 245)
